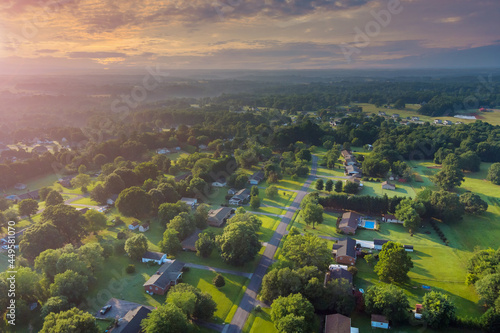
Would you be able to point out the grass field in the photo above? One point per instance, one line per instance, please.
(259, 322)
(327, 228)
(226, 297)
(85, 201)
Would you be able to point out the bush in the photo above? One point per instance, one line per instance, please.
(118, 221)
(119, 247)
(219, 281)
(130, 269)
(353, 270)
(121, 235)
(185, 269)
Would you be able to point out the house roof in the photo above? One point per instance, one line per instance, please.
(408, 247)
(337, 323)
(379, 318)
(166, 274)
(242, 194)
(349, 219)
(339, 273)
(190, 242)
(348, 247)
(345, 153)
(145, 225)
(258, 176)
(389, 184)
(350, 159)
(218, 215)
(390, 216)
(135, 223)
(153, 255)
(379, 241)
(352, 169)
(189, 200)
(131, 322)
(29, 195)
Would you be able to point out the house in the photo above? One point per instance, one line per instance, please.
(345, 251)
(346, 153)
(134, 225)
(203, 147)
(191, 202)
(144, 227)
(395, 115)
(20, 186)
(349, 222)
(112, 199)
(418, 311)
(388, 186)
(163, 151)
(219, 183)
(241, 197)
(156, 257)
(66, 181)
(131, 322)
(337, 323)
(189, 244)
(352, 170)
(83, 210)
(378, 243)
(448, 122)
(379, 321)
(438, 121)
(257, 178)
(29, 195)
(232, 191)
(167, 275)
(337, 273)
(390, 218)
(183, 177)
(408, 248)
(217, 217)
(178, 148)
(381, 113)
(351, 160)
(415, 118)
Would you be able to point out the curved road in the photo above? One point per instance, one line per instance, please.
(249, 300)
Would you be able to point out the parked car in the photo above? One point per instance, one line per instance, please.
(105, 309)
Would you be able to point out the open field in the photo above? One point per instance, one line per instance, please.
(327, 228)
(260, 322)
(226, 297)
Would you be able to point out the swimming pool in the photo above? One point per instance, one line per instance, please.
(369, 224)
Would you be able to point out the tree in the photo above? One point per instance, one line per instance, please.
(71, 285)
(46, 262)
(438, 310)
(394, 263)
(470, 161)
(81, 180)
(338, 297)
(473, 203)
(28, 207)
(35, 238)
(166, 318)
(293, 313)
(329, 185)
(351, 187)
(99, 159)
(184, 300)
(308, 250)
(146, 170)
(201, 216)
(43, 192)
(255, 202)
(55, 304)
(446, 206)
(400, 104)
(136, 246)
(71, 321)
(167, 211)
(92, 255)
(183, 224)
(114, 184)
(70, 261)
(494, 174)
(387, 300)
(134, 201)
(238, 244)
(68, 220)
(407, 213)
(95, 220)
(490, 321)
(219, 281)
(319, 185)
(312, 214)
(488, 288)
(272, 192)
(304, 154)
(338, 186)
(99, 194)
(254, 191)
(449, 177)
(204, 245)
(170, 243)
(205, 306)
(54, 198)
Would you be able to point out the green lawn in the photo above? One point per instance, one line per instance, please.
(85, 201)
(227, 297)
(269, 225)
(259, 322)
(327, 228)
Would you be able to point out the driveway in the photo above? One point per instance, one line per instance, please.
(119, 308)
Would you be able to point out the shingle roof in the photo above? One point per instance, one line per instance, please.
(339, 273)
(168, 273)
(349, 219)
(153, 255)
(379, 241)
(337, 323)
(379, 318)
(348, 247)
(218, 215)
(131, 322)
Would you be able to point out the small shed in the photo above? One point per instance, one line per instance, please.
(144, 227)
(388, 186)
(379, 321)
(408, 248)
(134, 225)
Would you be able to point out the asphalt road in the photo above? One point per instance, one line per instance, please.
(249, 300)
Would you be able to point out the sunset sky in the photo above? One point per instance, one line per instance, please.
(94, 35)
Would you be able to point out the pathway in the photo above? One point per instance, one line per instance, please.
(249, 300)
(220, 270)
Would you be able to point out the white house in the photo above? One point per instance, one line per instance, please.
(134, 225)
(156, 257)
(379, 321)
(219, 183)
(191, 202)
(378, 243)
(257, 178)
(163, 151)
(144, 227)
(390, 218)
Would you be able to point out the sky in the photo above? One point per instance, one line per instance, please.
(65, 36)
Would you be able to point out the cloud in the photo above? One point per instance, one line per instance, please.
(46, 51)
(96, 55)
(20, 6)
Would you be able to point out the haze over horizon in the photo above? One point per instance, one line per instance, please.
(92, 36)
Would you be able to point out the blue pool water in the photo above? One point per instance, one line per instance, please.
(369, 225)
